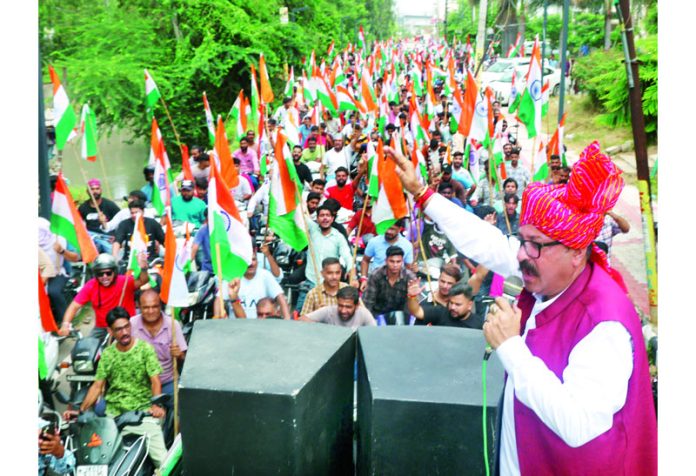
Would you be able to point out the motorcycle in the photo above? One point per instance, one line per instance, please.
(201, 287)
(101, 448)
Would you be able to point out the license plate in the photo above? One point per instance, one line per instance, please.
(80, 378)
(93, 470)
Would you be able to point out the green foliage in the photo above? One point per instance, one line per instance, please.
(189, 46)
(554, 24)
(602, 74)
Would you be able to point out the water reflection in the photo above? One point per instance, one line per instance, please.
(122, 162)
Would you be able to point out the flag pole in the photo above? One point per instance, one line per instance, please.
(422, 248)
(100, 159)
(176, 379)
(534, 153)
(166, 110)
(223, 313)
(357, 235)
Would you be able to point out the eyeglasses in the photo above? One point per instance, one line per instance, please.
(105, 273)
(532, 248)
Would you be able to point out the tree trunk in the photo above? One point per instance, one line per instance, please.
(481, 35)
(521, 20)
(607, 24)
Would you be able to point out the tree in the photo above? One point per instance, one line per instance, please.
(189, 46)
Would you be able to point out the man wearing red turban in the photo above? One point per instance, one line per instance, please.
(577, 396)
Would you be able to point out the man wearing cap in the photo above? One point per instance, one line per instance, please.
(97, 211)
(90, 210)
(186, 207)
(518, 171)
(578, 396)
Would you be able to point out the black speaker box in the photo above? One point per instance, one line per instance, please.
(420, 401)
(268, 396)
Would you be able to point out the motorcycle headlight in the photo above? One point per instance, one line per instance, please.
(83, 366)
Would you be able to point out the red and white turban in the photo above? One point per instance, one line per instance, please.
(573, 213)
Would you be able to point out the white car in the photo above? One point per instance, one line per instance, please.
(502, 87)
(500, 67)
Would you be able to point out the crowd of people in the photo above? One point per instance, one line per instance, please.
(415, 273)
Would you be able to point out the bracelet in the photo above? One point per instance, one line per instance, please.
(420, 201)
(415, 296)
(363, 278)
(420, 193)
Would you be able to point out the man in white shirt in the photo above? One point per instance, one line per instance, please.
(577, 397)
(337, 157)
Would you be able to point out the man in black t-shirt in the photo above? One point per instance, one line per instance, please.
(89, 212)
(458, 313)
(303, 172)
(125, 229)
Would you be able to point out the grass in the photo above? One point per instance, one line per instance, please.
(581, 127)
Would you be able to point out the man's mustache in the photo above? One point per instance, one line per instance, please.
(527, 266)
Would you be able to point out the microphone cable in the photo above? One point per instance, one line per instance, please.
(484, 412)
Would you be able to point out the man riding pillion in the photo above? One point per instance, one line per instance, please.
(106, 291)
(131, 368)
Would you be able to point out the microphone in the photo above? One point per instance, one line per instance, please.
(512, 287)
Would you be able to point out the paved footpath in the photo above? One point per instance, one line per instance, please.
(627, 254)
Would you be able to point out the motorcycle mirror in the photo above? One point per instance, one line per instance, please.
(160, 400)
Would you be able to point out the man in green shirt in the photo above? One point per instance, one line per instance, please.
(186, 207)
(131, 368)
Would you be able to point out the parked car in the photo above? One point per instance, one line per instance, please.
(502, 87)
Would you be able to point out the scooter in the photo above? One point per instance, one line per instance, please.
(84, 358)
(201, 286)
(101, 449)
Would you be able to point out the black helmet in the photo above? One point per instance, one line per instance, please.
(104, 261)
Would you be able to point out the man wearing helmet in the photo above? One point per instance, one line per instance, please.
(105, 291)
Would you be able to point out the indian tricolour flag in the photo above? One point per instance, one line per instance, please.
(540, 164)
(416, 78)
(361, 41)
(346, 101)
(138, 244)
(530, 104)
(67, 222)
(161, 194)
(479, 122)
(419, 131)
(255, 101)
(545, 99)
(152, 94)
(390, 205)
(284, 212)
(65, 118)
(209, 120)
(177, 261)
(238, 119)
(230, 242)
(325, 95)
(290, 85)
(88, 127)
(337, 74)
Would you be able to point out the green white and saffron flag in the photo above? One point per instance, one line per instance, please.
(253, 117)
(209, 120)
(346, 102)
(88, 126)
(530, 104)
(373, 167)
(230, 242)
(284, 211)
(545, 99)
(325, 95)
(515, 96)
(152, 94)
(67, 222)
(290, 85)
(417, 82)
(63, 113)
(138, 244)
(541, 166)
